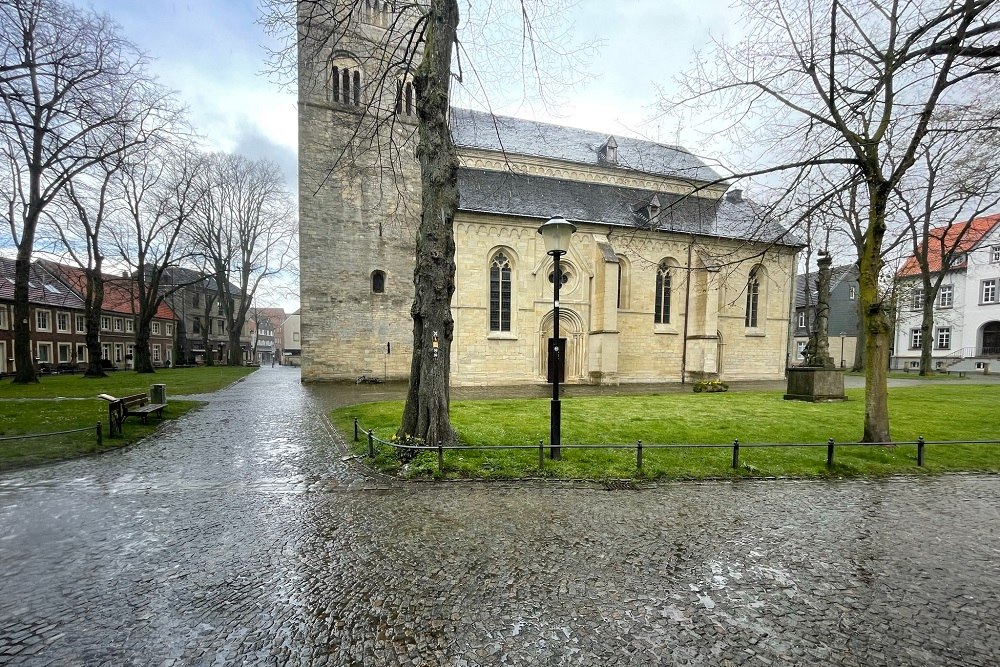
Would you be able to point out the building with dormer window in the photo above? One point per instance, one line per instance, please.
(670, 276)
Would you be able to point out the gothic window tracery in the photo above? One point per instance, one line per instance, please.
(500, 281)
(661, 314)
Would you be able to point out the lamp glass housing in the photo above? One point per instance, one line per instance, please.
(556, 233)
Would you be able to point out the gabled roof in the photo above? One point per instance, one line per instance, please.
(507, 193)
(118, 292)
(478, 129)
(957, 239)
(177, 275)
(838, 274)
(43, 288)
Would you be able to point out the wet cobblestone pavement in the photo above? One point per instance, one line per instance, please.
(239, 535)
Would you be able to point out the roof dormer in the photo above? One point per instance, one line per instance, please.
(608, 153)
(649, 210)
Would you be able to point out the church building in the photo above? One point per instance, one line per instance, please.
(669, 276)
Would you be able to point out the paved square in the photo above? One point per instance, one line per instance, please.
(239, 537)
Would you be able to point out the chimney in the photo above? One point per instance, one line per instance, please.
(734, 196)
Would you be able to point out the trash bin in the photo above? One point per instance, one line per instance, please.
(157, 393)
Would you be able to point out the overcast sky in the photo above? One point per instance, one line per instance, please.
(212, 53)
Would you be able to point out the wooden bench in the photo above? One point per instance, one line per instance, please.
(136, 404)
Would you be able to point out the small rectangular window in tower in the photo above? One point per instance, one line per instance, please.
(346, 87)
(378, 282)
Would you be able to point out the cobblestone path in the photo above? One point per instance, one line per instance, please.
(239, 536)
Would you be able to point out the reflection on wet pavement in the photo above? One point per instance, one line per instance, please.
(239, 535)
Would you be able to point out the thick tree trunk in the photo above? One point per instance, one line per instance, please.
(180, 344)
(877, 323)
(235, 351)
(23, 358)
(143, 362)
(92, 305)
(859, 342)
(426, 414)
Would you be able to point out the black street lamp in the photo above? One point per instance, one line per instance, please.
(556, 234)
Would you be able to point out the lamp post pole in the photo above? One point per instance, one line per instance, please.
(842, 337)
(555, 431)
(556, 233)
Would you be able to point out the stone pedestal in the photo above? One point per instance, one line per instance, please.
(815, 384)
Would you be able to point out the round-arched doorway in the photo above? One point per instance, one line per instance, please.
(990, 340)
(570, 329)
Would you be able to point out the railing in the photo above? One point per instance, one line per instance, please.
(973, 352)
(100, 439)
(639, 447)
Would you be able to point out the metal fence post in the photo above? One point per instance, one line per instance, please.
(355, 429)
(541, 455)
(736, 453)
(638, 455)
(371, 444)
(829, 453)
(920, 451)
(100, 438)
(440, 457)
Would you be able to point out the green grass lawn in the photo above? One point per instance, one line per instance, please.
(67, 402)
(937, 412)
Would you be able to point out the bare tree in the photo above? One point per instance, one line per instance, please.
(245, 230)
(161, 189)
(67, 80)
(856, 84)
(954, 182)
(90, 197)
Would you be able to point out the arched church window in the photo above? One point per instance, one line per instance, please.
(378, 282)
(357, 88)
(335, 84)
(661, 308)
(624, 282)
(753, 299)
(500, 279)
(404, 97)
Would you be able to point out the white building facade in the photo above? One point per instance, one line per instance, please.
(966, 331)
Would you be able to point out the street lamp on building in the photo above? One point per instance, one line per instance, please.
(556, 233)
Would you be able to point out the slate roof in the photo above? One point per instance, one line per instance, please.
(838, 274)
(478, 129)
(43, 288)
(176, 275)
(508, 193)
(961, 237)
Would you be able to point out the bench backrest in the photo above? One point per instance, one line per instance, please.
(135, 399)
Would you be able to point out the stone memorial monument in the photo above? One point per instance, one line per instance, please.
(818, 378)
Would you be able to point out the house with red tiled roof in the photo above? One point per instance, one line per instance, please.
(119, 311)
(55, 321)
(966, 327)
